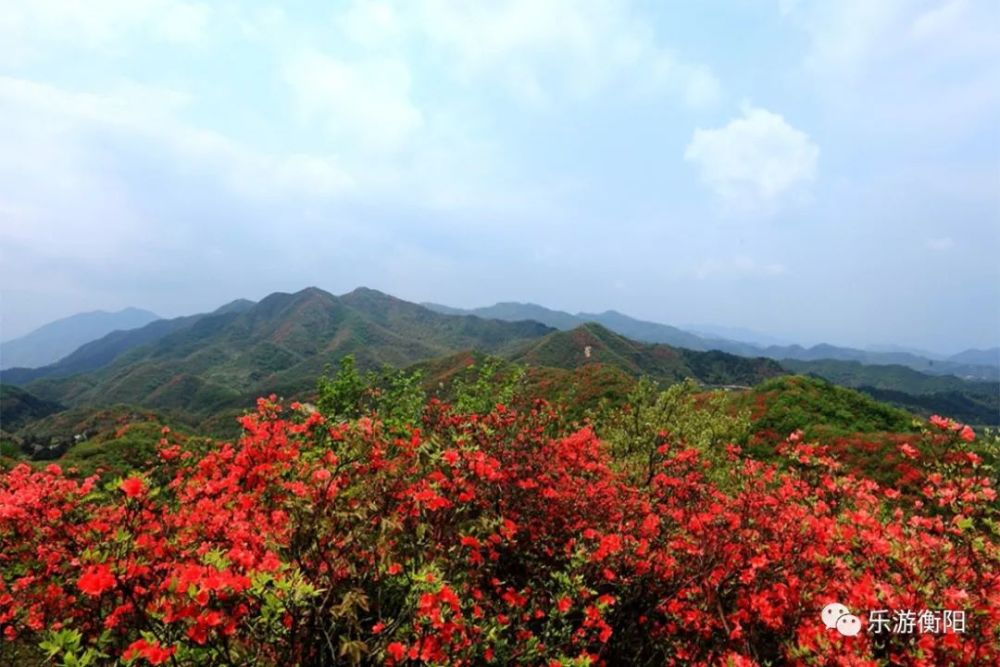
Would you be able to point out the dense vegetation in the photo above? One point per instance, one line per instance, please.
(202, 371)
(200, 367)
(19, 407)
(383, 527)
(976, 402)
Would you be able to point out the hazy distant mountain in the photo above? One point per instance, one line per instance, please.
(511, 311)
(892, 376)
(973, 364)
(103, 351)
(741, 334)
(988, 357)
(55, 340)
(649, 332)
(907, 350)
(820, 352)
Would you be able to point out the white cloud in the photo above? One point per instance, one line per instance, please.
(366, 103)
(152, 114)
(940, 244)
(544, 50)
(56, 127)
(371, 23)
(739, 265)
(931, 68)
(33, 30)
(754, 160)
(184, 22)
(845, 34)
(848, 37)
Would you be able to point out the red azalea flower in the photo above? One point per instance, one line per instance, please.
(96, 579)
(396, 650)
(151, 651)
(133, 487)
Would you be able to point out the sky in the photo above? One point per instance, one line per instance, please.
(819, 171)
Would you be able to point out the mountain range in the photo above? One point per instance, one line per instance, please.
(970, 364)
(204, 363)
(214, 364)
(57, 339)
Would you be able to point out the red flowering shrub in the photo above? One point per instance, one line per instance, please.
(489, 538)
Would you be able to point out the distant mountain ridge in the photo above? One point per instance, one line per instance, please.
(593, 343)
(104, 350)
(649, 332)
(216, 363)
(204, 364)
(51, 342)
(971, 364)
(987, 357)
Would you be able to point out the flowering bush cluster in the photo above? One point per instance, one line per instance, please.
(489, 538)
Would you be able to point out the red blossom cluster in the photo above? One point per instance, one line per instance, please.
(491, 539)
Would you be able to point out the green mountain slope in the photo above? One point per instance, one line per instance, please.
(972, 364)
(975, 402)
(569, 349)
(18, 407)
(974, 409)
(782, 405)
(281, 344)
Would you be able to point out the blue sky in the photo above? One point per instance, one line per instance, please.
(822, 171)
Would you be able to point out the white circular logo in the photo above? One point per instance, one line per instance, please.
(832, 612)
(849, 625)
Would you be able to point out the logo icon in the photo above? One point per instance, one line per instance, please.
(837, 616)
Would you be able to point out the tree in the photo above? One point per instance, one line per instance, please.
(638, 431)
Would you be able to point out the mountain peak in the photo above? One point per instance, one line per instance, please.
(312, 292)
(235, 306)
(362, 291)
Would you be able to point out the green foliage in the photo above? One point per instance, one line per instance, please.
(397, 396)
(342, 396)
(973, 402)
(791, 403)
(8, 448)
(973, 407)
(132, 447)
(652, 417)
(988, 447)
(487, 384)
(400, 397)
(63, 647)
(18, 407)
